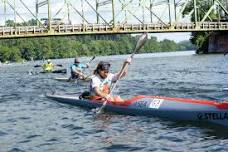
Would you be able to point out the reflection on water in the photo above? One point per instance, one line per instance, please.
(31, 122)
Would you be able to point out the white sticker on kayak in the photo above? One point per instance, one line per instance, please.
(156, 103)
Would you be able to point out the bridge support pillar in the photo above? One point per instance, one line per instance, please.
(218, 42)
(51, 31)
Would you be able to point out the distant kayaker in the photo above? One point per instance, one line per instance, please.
(48, 67)
(77, 69)
(102, 80)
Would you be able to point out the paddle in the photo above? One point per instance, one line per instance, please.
(138, 46)
(70, 78)
(31, 70)
(91, 59)
(89, 63)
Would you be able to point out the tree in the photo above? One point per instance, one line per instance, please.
(168, 45)
(201, 39)
(9, 23)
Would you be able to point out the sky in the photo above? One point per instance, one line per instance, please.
(177, 37)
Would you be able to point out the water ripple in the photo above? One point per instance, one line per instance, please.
(31, 122)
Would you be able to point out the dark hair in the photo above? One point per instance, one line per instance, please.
(102, 65)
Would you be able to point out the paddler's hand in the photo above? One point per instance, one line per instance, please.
(108, 97)
(128, 60)
(87, 64)
(82, 77)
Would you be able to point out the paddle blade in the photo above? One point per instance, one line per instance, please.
(36, 66)
(92, 59)
(60, 65)
(140, 43)
(99, 110)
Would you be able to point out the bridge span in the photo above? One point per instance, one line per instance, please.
(21, 18)
(31, 31)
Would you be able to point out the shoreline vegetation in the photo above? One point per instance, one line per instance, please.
(25, 49)
(201, 39)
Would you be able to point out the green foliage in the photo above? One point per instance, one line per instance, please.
(186, 45)
(168, 45)
(9, 23)
(202, 7)
(66, 47)
(9, 54)
(152, 45)
(201, 39)
(31, 22)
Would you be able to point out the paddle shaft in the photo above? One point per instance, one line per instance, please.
(139, 45)
(91, 59)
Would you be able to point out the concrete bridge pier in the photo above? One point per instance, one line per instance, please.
(218, 42)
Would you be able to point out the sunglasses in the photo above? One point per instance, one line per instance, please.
(105, 67)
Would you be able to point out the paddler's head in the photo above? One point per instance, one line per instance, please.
(102, 69)
(76, 60)
(48, 61)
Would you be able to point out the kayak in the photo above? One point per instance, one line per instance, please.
(158, 106)
(66, 79)
(56, 71)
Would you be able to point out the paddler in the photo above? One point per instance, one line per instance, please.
(77, 69)
(48, 67)
(102, 80)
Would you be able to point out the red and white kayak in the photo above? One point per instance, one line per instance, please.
(158, 106)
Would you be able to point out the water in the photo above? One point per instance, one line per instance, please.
(31, 122)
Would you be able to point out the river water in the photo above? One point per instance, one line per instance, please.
(32, 123)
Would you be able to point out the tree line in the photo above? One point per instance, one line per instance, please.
(70, 46)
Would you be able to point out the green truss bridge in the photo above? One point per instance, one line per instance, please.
(34, 18)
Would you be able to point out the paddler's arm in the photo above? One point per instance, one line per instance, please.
(101, 94)
(44, 66)
(124, 68)
(87, 65)
(79, 73)
(52, 65)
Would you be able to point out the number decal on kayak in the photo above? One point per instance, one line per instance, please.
(156, 103)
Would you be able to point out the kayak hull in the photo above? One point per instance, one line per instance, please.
(56, 71)
(164, 107)
(62, 79)
(65, 79)
(225, 89)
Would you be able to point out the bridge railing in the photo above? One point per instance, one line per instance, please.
(4, 31)
(151, 27)
(28, 31)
